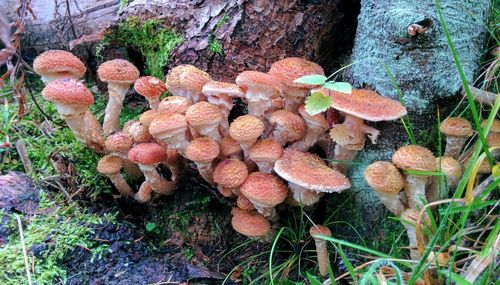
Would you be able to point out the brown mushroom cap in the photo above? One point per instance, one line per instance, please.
(137, 131)
(230, 173)
(203, 113)
(292, 122)
(174, 105)
(316, 120)
(265, 150)
(243, 203)
(170, 123)
(214, 88)
(250, 223)
(203, 150)
(309, 171)
(495, 126)
(147, 117)
(228, 146)
(450, 166)
(118, 70)
(320, 230)
(264, 188)
(340, 134)
(457, 127)
(58, 61)
(291, 68)
(187, 77)
(118, 142)
(493, 139)
(109, 165)
(147, 154)
(246, 127)
(365, 104)
(149, 86)
(384, 177)
(67, 91)
(414, 157)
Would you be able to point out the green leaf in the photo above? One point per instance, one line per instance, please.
(456, 278)
(312, 279)
(317, 103)
(343, 87)
(315, 79)
(150, 227)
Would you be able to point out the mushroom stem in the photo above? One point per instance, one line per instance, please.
(265, 166)
(211, 131)
(343, 155)
(258, 108)
(116, 93)
(131, 168)
(454, 145)
(226, 192)
(302, 195)
(310, 138)
(268, 212)
(120, 184)
(158, 184)
(392, 202)
(415, 190)
(205, 170)
(294, 97)
(371, 133)
(144, 193)
(412, 237)
(154, 102)
(178, 142)
(322, 255)
(224, 124)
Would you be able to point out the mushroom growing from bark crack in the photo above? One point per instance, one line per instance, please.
(221, 94)
(264, 153)
(202, 151)
(246, 130)
(175, 105)
(205, 118)
(387, 182)
(72, 101)
(119, 74)
(252, 225)
(151, 88)
(452, 170)
(315, 127)
(415, 158)
(229, 174)
(171, 129)
(58, 64)
(119, 144)
(321, 247)
(110, 166)
(286, 127)
(457, 131)
(187, 81)
(260, 88)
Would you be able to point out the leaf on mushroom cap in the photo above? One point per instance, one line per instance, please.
(203, 150)
(365, 104)
(320, 230)
(214, 88)
(264, 188)
(147, 154)
(203, 113)
(230, 173)
(265, 150)
(109, 165)
(228, 146)
(315, 120)
(172, 124)
(175, 105)
(58, 61)
(292, 122)
(118, 142)
(309, 171)
(246, 127)
(118, 70)
(414, 157)
(67, 91)
(250, 223)
(457, 127)
(256, 79)
(384, 177)
(291, 68)
(149, 86)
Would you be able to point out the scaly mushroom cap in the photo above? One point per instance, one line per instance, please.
(215, 88)
(147, 154)
(264, 188)
(495, 126)
(59, 61)
(230, 173)
(292, 122)
(291, 68)
(245, 128)
(187, 77)
(384, 177)
(67, 91)
(243, 203)
(267, 150)
(228, 146)
(320, 230)
(450, 166)
(118, 70)
(365, 104)
(118, 142)
(175, 105)
(256, 79)
(167, 123)
(250, 223)
(309, 171)
(150, 87)
(457, 127)
(340, 135)
(493, 139)
(109, 165)
(137, 131)
(203, 150)
(316, 120)
(414, 157)
(203, 113)
(147, 117)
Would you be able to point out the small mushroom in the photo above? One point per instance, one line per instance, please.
(119, 144)
(110, 166)
(187, 81)
(229, 148)
(205, 119)
(175, 105)
(137, 131)
(246, 130)
(119, 74)
(58, 64)
(252, 225)
(144, 194)
(147, 117)
(287, 127)
(409, 219)
(315, 126)
(452, 173)
(387, 182)
(229, 174)
(151, 88)
(260, 88)
(243, 203)
(202, 151)
(171, 129)
(321, 247)
(264, 153)
(221, 94)
(457, 131)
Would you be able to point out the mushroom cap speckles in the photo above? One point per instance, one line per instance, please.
(384, 177)
(267, 150)
(147, 154)
(320, 230)
(264, 188)
(340, 135)
(58, 61)
(246, 128)
(187, 77)
(243, 203)
(137, 131)
(118, 70)
(203, 113)
(67, 91)
(230, 173)
(228, 146)
(450, 166)
(109, 165)
(119, 142)
(493, 139)
(214, 88)
(414, 157)
(291, 68)
(175, 105)
(457, 127)
(173, 123)
(147, 117)
(257, 79)
(149, 86)
(250, 223)
(317, 120)
(309, 171)
(202, 150)
(293, 123)
(365, 104)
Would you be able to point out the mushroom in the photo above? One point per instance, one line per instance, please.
(265, 191)
(144, 193)
(221, 94)
(229, 174)
(205, 119)
(171, 129)
(151, 88)
(229, 148)
(119, 74)
(187, 81)
(287, 127)
(457, 131)
(147, 117)
(387, 182)
(137, 131)
(452, 173)
(110, 166)
(259, 88)
(252, 225)
(415, 158)
(321, 247)
(243, 203)
(175, 105)
(345, 148)
(202, 151)
(119, 144)
(72, 101)
(409, 219)
(264, 153)
(58, 64)
(316, 126)
(289, 69)
(148, 156)
(246, 130)
(308, 176)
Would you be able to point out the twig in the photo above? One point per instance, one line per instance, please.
(23, 245)
(23, 155)
(68, 10)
